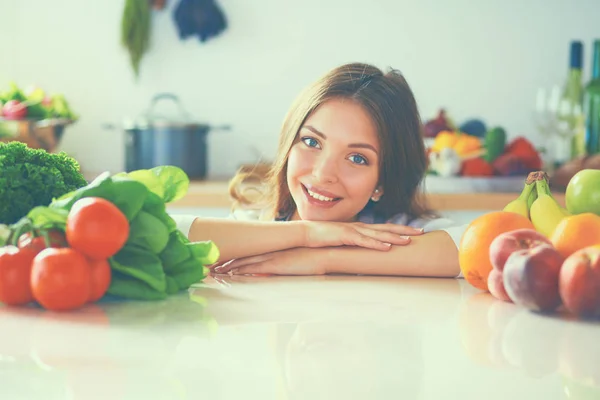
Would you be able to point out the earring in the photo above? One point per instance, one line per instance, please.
(375, 198)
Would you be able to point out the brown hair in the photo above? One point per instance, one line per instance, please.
(391, 104)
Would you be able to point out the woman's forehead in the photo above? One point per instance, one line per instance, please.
(344, 120)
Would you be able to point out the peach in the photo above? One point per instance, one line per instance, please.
(507, 243)
(496, 285)
(579, 282)
(531, 278)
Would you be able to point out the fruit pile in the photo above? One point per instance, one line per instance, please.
(112, 236)
(473, 150)
(536, 253)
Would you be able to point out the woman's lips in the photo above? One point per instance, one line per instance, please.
(323, 199)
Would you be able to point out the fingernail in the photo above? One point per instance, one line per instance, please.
(388, 244)
(406, 237)
(421, 230)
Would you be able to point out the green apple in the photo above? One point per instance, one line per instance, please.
(583, 192)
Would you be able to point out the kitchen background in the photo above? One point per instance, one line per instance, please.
(485, 60)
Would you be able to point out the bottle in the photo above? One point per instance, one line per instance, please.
(567, 103)
(592, 105)
(572, 102)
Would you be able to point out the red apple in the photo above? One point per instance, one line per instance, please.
(14, 109)
(508, 242)
(496, 285)
(579, 282)
(531, 278)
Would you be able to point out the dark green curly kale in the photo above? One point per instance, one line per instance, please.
(33, 177)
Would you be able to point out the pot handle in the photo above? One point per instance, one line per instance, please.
(166, 96)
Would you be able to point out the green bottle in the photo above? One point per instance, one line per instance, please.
(571, 106)
(592, 105)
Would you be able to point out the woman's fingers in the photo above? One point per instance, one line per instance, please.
(376, 240)
(387, 237)
(234, 264)
(383, 237)
(255, 269)
(370, 243)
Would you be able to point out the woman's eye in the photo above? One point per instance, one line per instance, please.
(310, 142)
(358, 159)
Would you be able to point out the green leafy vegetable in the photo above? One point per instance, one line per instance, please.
(13, 93)
(167, 182)
(148, 232)
(174, 181)
(172, 286)
(33, 177)
(155, 206)
(188, 276)
(141, 264)
(127, 194)
(149, 179)
(204, 252)
(176, 250)
(47, 217)
(126, 286)
(135, 30)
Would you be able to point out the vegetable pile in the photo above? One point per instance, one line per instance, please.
(112, 237)
(33, 177)
(34, 103)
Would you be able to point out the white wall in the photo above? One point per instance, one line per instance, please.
(477, 58)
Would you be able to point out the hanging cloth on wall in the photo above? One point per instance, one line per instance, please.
(203, 18)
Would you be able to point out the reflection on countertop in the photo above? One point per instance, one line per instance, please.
(326, 337)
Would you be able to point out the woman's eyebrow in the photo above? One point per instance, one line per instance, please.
(315, 131)
(351, 145)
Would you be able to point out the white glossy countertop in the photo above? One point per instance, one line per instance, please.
(333, 337)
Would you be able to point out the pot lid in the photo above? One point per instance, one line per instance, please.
(180, 119)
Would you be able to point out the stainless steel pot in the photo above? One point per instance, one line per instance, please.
(154, 140)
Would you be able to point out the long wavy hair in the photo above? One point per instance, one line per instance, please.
(390, 102)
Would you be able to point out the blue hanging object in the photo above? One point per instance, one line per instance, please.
(203, 18)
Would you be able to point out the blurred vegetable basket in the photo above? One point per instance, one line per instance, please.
(33, 117)
(43, 134)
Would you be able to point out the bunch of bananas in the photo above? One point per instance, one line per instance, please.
(537, 203)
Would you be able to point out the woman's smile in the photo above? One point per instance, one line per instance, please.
(320, 198)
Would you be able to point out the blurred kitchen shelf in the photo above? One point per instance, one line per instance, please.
(459, 184)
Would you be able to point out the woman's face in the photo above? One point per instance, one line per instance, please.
(333, 166)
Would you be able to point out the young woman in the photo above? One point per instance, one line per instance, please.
(343, 193)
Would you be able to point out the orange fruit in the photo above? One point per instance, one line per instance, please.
(474, 247)
(576, 232)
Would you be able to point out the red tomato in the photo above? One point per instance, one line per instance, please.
(97, 228)
(14, 109)
(15, 274)
(61, 279)
(101, 275)
(57, 239)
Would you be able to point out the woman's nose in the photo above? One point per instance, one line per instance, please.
(325, 170)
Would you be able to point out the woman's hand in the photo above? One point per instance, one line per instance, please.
(372, 236)
(299, 261)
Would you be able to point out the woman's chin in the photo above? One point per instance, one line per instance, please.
(321, 215)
